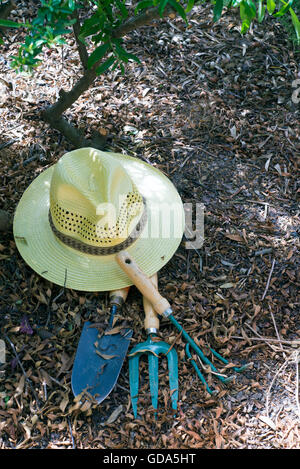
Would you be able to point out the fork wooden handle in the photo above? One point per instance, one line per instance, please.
(142, 282)
(151, 322)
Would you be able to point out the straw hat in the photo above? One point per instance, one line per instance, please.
(77, 214)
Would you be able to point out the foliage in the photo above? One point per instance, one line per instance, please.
(287, 23)
(103, 19)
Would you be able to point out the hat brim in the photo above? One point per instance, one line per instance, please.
(65, 266)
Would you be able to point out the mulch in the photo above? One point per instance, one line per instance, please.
(214, 111)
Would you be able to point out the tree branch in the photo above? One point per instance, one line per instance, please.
(83, 54)
(5, 10)
(67, 98)
(53, 114)
(141, 20)
(73, 134)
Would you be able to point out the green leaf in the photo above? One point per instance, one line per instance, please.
(250, 9)
(90, 26)
(122, 53)
(190, 6)
(245, 26)
(142, 5)
(162, 7)
(97, 54)
(10, 24)
(296, 24)
(178, 8)
(218, 8)
(1, 41)
(105, 66)
(60, 31)
(247, 13)
(271, 5)
(122, 8)
(261, 11)
(284, 9)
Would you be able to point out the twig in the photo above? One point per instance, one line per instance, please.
(185, 161)
(203, 149)
(253, 330)
(56, 381)
(268, 282)
(283, 366)
(292, 343)
(261, 252)
(72, 437)
(7, 144)
(82, 50)
(23, 371)
(45, 390)
(276, 330)
(63, 289)
(56, 298)
(143, 19)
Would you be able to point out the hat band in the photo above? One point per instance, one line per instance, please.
(97, 250)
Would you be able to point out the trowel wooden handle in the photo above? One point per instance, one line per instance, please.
(117, 297)
(151, 320)
(142, 282)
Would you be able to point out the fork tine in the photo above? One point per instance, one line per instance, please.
(153, 376)
(226, 362)
(200, 375)
(173, 376)
(134, 381)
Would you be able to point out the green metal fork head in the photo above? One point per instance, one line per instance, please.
(153, 349)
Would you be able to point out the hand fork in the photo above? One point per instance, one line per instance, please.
(152, 349)
(162, 307)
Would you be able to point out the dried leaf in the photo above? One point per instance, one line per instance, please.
(20, 387)
(267, 421)
(233, 132)
(64, 403)
(235, 237)
(113, 417)
(25, 327)
(115, 330)
(104, 356)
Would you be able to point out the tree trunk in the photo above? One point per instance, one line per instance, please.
(53, 114)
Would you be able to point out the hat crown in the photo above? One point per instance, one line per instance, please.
(93, 199)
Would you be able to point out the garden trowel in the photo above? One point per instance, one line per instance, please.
(100, 355)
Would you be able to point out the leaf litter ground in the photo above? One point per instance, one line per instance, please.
(214, 111)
